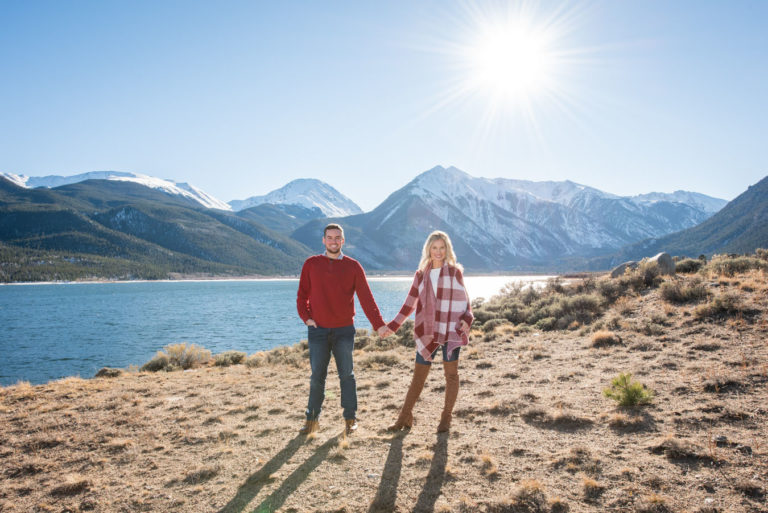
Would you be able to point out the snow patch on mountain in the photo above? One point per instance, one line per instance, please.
(694, 199)
(307, 193)
(19, 180)
(506, 218)
(169, 187)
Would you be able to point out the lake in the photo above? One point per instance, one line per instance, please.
(49, 331)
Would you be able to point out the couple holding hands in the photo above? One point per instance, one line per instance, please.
(325, 302)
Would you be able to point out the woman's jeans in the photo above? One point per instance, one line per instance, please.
(446, 357)
(322, 343)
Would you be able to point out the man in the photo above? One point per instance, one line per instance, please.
(325, 302)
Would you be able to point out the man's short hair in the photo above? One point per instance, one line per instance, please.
(334, 226)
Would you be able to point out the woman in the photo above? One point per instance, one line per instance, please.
(443, 318)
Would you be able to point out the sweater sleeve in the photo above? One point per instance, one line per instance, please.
(408, 306)
(467, 316)
(302, 296)
(365, 296)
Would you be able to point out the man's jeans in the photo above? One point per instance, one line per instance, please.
(323, 342)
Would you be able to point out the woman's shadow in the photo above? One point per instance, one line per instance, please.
(386, 494)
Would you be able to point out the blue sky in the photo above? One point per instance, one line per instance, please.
(238, 98)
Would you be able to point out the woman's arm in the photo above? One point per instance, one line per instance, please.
(467, 316)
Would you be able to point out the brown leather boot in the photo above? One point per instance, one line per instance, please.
(405, 419)
(451, 370)
(310, 427)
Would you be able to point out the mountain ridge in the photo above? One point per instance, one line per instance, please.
(308, 193)
(496, 224)
(505, 224)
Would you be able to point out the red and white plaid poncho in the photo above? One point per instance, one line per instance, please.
(438, 317)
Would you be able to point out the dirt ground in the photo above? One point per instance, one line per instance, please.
(532, 429)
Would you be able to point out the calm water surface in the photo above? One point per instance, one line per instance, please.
(55, 330)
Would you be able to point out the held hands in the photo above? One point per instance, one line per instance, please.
(384, 331)
(311, 322)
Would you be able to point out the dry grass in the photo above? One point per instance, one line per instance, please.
(605, 338)
(531, 431)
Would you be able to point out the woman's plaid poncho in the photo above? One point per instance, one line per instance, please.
(438, 317)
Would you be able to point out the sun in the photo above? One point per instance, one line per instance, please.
(512, 61)
(512, 64)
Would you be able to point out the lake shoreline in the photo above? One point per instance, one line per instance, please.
(196, 279)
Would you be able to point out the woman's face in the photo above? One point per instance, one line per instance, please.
(437, 252)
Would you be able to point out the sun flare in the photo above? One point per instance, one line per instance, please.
(513, 64)
(511, 61)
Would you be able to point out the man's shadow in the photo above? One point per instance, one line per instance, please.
(298, 476)
(386, 494)
(257, 480)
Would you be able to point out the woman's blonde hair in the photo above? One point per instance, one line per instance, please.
(450, 256)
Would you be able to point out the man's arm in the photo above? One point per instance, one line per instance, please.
(302, 296)
(365, 296)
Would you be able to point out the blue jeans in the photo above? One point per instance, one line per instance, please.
(452, 358)
(323, 342)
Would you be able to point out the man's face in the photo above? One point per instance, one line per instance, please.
(333, 241)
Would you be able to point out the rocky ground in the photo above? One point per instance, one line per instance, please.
(532, 429)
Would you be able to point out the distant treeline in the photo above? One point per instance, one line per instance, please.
(33, 265)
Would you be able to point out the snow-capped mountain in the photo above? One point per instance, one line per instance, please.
(579, 215)
(169, 187)
(694, 199)
(506, 224)
(308, 193)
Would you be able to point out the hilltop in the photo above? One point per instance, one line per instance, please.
(532, 431)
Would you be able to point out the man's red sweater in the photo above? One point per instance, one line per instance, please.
(326, 292)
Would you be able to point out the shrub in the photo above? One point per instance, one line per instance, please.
(761, 253)
(293, 356)
(728, 266)
(722, 305)
(530, 497)
(612, 289)
(649, 273)
(177, 356)
(592, 489)
(680, 292)
(546, 324)
(362, 338)
(159, 362)
(202, 475)
(515, 311)
(554, 285)
(405, 334)
(256, 360)
(493, 324)
(483, 314)
(187, 356)
(555, 306)
(228, 358)
(108, 372)
(605, 339)
(689, 265)
(380, 360)
(373, 342)
(626, 392)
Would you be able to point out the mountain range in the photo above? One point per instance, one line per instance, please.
(141, 222)
(502, 224)
(739, 227)
(308, 193)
